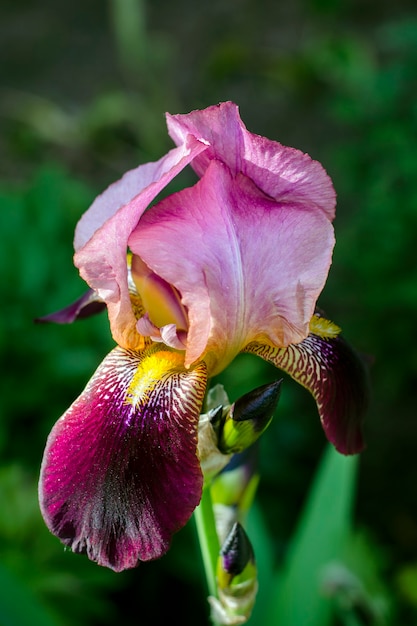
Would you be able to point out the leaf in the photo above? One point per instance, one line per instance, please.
(261, 540)
(320, 538)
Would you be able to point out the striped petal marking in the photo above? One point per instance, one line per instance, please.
(120, 472)
(328, 367)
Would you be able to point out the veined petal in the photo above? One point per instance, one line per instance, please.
(102, 233)
(245, 266)
(329, 368)
(280, 172)
(120, 472)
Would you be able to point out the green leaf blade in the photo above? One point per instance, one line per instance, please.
(320, 538)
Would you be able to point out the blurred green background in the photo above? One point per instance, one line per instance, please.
(83, 90)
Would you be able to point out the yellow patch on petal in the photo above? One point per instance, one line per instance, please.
(324, 328)
(160, 300)
(153, 368)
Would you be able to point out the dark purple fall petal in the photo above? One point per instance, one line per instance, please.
(330, 369)
(120, 472)
(89, 304)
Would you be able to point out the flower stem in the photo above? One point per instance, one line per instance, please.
(209, 542)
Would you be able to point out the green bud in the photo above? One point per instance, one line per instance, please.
(233, 490)
(248, 418)
(235, 486)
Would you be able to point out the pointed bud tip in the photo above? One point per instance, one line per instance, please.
(236, 551)
(215, 415)
(258, 405)
(248, 418)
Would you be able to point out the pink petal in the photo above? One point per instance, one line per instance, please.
(147, 328)
(280, 172)
(173, 337)
(168, 334)
(245, 265)
(103, 231)
(330, 369)
(120, 472)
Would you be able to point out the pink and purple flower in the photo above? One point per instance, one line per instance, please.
(234, 263)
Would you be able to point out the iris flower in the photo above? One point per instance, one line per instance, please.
(234, 263)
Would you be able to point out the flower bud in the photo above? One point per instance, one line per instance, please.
(236, 578)
(235, 554)
(248, 418)
(236, 484)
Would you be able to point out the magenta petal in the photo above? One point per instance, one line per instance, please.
(281, 172)
(120, 472)
(89, 304)
(335, 375)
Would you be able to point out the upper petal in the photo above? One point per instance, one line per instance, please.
(245, 265)
(143, 182)
(281, 172)
(331, 370)
(102, 233)
(120, 472)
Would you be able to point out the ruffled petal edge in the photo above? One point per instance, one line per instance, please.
(120, 472)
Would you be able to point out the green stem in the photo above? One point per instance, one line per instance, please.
(208, 539)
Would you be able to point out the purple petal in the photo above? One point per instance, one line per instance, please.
(330, 369)
(280, 172)
(245, 265)
(89, 304)
(120, 472)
